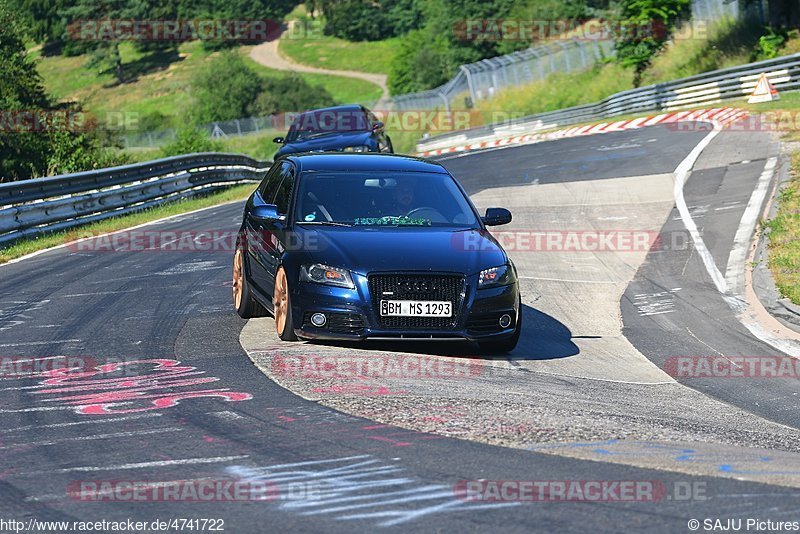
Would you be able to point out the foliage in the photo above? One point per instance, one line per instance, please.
(189, 140)
(49, 144)
(367, 20)
(646, 27)
(770, 44)
(228, 90)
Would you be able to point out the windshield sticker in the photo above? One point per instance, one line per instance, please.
(392, 221)
(311, 216)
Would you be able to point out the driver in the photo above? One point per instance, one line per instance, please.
(404, 196)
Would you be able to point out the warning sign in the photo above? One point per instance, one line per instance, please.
(764, 91)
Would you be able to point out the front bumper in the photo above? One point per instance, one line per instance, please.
(351, 315)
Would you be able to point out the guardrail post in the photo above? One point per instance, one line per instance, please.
(470, 83)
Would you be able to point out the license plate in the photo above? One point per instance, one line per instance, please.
(416, 308)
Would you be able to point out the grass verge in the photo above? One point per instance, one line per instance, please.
(784, 236)
(28, 246)
(333, 53)
(160, 84)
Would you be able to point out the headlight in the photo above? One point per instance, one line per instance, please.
(497, 276)
(324, 274)
(356, 149)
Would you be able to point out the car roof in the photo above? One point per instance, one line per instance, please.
(339, 161)
(345, 107)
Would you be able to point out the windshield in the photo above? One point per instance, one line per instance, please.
(404, 199)
(316, 123)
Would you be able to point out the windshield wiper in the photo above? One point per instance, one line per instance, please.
(325, 223)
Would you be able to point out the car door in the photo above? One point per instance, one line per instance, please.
(257, 245)
(272, 232)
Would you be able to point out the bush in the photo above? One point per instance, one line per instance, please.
(229, 90)
(366, 20)
(289, 93)
(225, 90)
(189, 140)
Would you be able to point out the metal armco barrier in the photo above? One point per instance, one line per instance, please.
(33, 207)
(702, 89)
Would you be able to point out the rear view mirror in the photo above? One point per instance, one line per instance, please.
(377, 126)
(278, 140)
(496, 217)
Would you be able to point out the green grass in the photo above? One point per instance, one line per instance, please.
(256, 145)
(343, 90)
(162, 83)
(27, 246)
(784, 237)
(333, 53)
(724, 45)
(561, 90)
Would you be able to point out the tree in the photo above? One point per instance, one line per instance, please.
(225, 89)
(368, 20)
(106, 51)
(22, 152)
(646, 25)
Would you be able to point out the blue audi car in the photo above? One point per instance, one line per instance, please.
(374, 246)
(348, 128)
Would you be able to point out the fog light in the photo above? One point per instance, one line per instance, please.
(319, 319)
(505, 320)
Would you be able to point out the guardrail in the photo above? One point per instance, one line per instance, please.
(33, 207)
(702, 89)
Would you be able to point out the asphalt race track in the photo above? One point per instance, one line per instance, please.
(586, 396)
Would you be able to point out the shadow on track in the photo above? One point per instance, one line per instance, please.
(543, 338)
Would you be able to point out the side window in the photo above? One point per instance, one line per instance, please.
(269, 184)
(284, 191)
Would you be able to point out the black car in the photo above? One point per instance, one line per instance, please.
(374, 246)
(350, 128)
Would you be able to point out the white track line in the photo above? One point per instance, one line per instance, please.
(727, 286)
(681, 175)
(734, 274)
(139, 465)
(29, 343)
(113, 435)
(77, 423)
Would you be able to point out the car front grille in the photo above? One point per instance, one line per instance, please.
(442, 287)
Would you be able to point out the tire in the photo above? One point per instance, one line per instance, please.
(506, 345)
(282, 304)
(246, 306)
(389, 147)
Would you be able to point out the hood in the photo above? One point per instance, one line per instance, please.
(332, 141)
(363, 250)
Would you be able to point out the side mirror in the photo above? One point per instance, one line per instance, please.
(265, 212)
(278, 140)
(377, 126)
(496, 217)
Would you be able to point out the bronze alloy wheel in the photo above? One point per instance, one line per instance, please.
(238, 279)
(280, 301)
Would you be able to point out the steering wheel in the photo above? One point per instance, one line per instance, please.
(427, 212)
